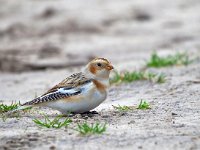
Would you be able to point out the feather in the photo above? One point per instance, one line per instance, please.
(57, 95)
(72, 81)
(69, 87)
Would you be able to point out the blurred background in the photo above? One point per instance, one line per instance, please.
(44, 41)
(42, 34)
(41, 42)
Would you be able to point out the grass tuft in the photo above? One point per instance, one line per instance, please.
(170, 60)
(86, 129)
(5, 108)
(138, 75)
(143, 105)
(122, 108)
(55, 123)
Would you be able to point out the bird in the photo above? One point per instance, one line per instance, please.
(78, 93)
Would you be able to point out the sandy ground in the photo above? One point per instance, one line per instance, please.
(42, 42)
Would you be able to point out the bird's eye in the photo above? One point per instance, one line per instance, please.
(99, 64)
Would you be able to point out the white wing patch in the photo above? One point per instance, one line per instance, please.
(87, 87)
(84, 89)
(69, 91)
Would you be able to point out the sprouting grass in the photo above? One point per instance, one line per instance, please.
(170, 60)
(122, 108)
(143, 105)
(5, 108)
(138, 75)
(161, 78)
(86, 129)
(55, 123)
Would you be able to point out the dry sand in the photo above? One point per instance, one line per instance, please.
(42, 42)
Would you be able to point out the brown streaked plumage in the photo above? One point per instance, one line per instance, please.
(79, 92)
(102, 59)
(74, 80)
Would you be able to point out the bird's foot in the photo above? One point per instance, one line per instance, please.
(90, 112)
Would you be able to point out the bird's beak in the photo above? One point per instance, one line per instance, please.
(109, 67)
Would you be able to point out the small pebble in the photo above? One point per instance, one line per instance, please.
(174, 114)
(52, 147)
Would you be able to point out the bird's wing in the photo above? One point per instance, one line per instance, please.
(72, 81)
(67, 88)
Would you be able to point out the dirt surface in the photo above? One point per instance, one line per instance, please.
(42, 42)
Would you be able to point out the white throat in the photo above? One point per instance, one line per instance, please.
(88, 74)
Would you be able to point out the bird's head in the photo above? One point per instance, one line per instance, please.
(99, 68)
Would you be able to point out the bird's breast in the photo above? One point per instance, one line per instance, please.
(93, 93)
(89, 98)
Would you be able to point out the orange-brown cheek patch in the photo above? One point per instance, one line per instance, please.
(93, 69)
(99, 86)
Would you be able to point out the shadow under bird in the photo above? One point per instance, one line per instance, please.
(78, 93)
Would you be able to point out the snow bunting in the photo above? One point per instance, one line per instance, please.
(80, 92)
